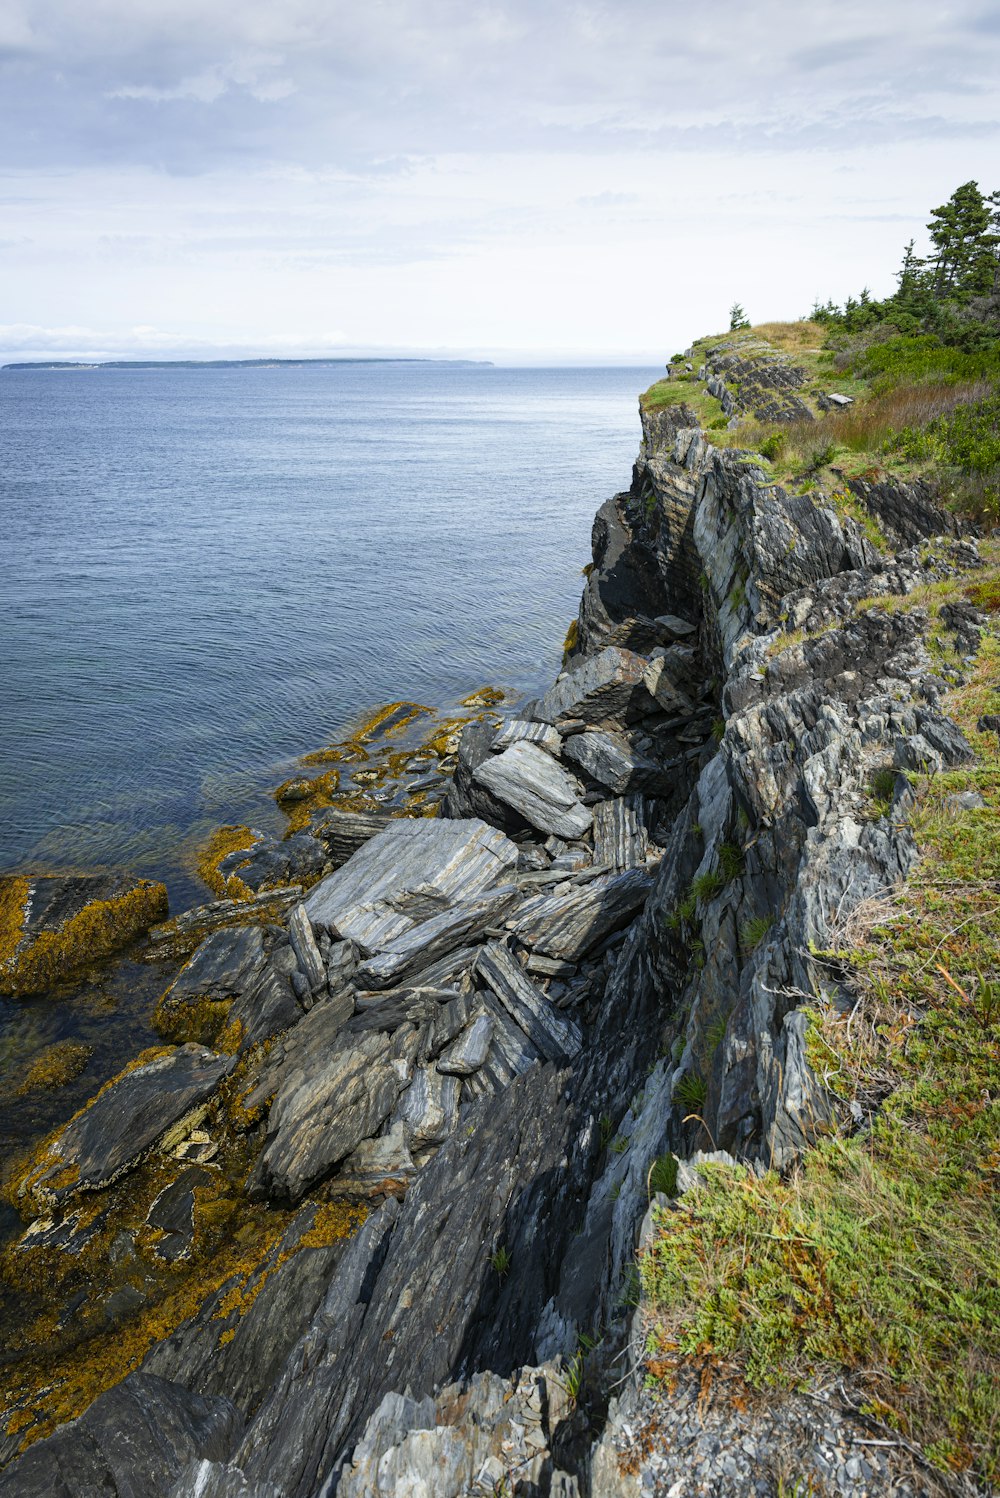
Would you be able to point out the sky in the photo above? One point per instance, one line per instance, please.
(523, 181)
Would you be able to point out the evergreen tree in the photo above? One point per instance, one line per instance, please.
(737, 318)
(965, 238)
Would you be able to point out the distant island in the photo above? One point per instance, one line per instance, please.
(232, 363)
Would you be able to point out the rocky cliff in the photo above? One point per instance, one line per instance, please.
(519, 1032)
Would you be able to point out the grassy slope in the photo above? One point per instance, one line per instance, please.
(905, 393)
(880, 1255)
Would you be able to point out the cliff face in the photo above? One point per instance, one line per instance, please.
(725, 708)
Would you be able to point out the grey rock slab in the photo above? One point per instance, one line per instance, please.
(303, 942)
(435, 938)
(520, 730)
(139, 1109)
(540, 790)
(134, 1440)
(342, 833)
(324, 1109)
(428, 1109)
(607, 687)
(568, 926)
(662, 687)
(609, 758)
(468, 1053)
(380, 1167)
(553, 1036)
(412, 870)
(620, 837)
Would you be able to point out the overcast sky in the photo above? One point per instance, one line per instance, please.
(519, 180)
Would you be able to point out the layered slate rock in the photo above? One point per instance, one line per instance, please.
(607, 687)
(326, 1107)
(52, 926)
(540, 790)
(569, 926)
(138, 1438)
(609, 758)
(197, 1003)
(412, 870)
(142, 1107)
(550, 1033)
(437, 936)
(342, 833)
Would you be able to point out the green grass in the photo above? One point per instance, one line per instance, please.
(879, 1255)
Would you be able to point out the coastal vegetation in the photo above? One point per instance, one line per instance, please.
(874, 1259)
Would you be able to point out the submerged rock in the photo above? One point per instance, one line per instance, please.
(52, 926)
(144, 1106)
(197, 1003)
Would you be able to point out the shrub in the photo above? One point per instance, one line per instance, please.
(772, 447)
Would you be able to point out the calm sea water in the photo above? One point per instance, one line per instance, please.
(205, 573)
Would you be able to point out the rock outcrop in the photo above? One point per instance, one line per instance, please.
(489, 1026)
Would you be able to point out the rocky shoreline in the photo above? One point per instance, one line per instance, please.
(369, 1222)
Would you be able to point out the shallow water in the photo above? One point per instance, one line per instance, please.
(206, 573)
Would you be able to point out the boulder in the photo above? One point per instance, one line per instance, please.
(540, 790)
(607, 687)
(609, 758)
(135, 1439)
(53, 926)
(148, 1104)
(342, 833)
(412, 870)
(437, 937)
(568, 926)
(466, 797)
(520, 730)
(325, 1106)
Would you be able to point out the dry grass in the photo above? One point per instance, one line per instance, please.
(792, 337)
(868, 426)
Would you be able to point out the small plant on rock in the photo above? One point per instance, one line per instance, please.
(691, 1091)
(753, 931)
(501, 1261)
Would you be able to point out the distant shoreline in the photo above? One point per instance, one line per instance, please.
(51, 364)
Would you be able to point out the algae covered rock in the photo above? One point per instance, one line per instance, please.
(162, 1091)
(52, 926)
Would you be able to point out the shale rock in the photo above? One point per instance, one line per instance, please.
(409, 872)
(197, 1003)
(436, 937)
(144, 1106)
(539, 790)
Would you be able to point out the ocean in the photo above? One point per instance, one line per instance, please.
(207, 572)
